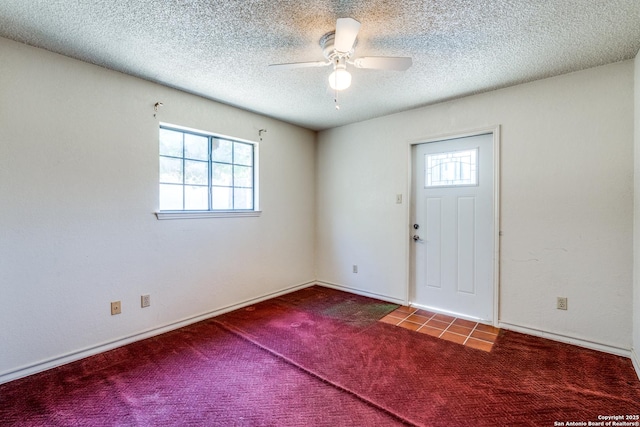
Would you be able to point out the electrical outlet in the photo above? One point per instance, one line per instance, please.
(116, 307)
(562, 303)
(355, 268)
(145, 300)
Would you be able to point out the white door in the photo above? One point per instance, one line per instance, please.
(453, 226)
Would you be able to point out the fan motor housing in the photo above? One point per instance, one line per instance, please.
(327, 43)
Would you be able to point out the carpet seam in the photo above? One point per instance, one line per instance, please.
(291, 362)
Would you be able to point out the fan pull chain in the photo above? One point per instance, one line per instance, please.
(335, 99)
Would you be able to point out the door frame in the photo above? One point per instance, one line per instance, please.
(495, 131)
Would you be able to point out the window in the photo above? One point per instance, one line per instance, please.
(205, 173)
(453, 168)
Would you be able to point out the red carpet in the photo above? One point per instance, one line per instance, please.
(318, 357)
(426, 381)
(200, 375)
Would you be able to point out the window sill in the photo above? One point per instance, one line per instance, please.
(205, 214)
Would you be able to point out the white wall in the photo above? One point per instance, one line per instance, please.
(636, 248)
(566, 190)
(78, 189)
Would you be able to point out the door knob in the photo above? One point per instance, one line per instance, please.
(416, 238)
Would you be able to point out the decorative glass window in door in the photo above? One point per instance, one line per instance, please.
(451, 169)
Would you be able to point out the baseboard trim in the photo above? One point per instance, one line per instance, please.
(361, 292)
(567, 339)
(101, 348)
(636, 361)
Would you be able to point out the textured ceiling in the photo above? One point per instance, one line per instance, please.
(221, 49)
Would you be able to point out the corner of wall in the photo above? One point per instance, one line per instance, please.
(635, 343)
(316, 189)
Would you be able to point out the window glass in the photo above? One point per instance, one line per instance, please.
(453, 168)
(242, 176)
(200, 172)
(222, 197)
(196, 147)
(171, 170)
(243, 154)
(222, 174)
(196, 172)
(171, 197)
(222, 151)
(196, 198)
(243, 198)
(170, 143)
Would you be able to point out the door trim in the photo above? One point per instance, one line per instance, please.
(495, 131)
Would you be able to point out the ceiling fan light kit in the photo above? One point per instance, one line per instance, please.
(338, 46)
(340, 79)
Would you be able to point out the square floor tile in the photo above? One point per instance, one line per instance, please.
(466, 323)
(398, 314)
(390, 320)
(425, 313)
(444, 318)
(417, 318)
(449, 336)
(409, 325)
(405, 309)
(459, 330)
(484, 336)
(430, 331)
(487, 328)
(437, 324)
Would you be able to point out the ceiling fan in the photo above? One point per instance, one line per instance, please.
(338, 47)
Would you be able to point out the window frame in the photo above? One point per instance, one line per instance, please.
(209, 212)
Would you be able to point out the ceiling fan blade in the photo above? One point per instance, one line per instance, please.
(292, 65)
(346, 33)
(384, 63)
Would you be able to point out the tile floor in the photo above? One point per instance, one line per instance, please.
(461, 331)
